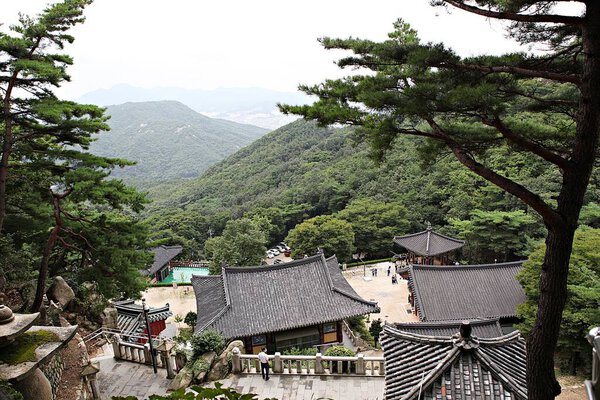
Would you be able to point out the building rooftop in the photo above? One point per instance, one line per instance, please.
(483, 328)
(428, 243)
(246, 301)
(461, 366)
(467, 291)
(162, 255)
(130, 316)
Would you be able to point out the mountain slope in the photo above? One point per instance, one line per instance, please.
(168, 140)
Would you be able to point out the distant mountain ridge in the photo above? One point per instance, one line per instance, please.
(169, 141)
(253, 106)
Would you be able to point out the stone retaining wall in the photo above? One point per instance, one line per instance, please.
(53, 371)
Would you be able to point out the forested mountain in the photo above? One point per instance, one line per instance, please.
(301, 171)
(255, 106)
(168, 141)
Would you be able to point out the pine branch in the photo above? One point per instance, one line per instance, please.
(539, 18)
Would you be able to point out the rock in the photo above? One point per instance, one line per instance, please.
(27, 292)
(35, 386)
(222, 366)
(109, 318)
(181, 380)
(60, 292)
(209, 358)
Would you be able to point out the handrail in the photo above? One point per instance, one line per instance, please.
(311, 365)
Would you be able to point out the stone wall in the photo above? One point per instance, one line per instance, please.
(53, 371)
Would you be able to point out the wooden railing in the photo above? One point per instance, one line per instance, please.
(593, 386)
(310, 365)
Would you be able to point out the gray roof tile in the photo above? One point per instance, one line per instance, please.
(467, 291)
(483, 328)
(162, 255)
(429, 367)
(247, 301)
(428, 243)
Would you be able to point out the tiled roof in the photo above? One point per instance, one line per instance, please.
(246, 301)
(162, 255)
(130, 317)
(428, 243)
(428, 367)
(462, 292)
(483, 328)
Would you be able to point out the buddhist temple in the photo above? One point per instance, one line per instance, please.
(466, 292)
(296, 304)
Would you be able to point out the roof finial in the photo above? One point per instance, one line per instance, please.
(465, 330)
(428, 225)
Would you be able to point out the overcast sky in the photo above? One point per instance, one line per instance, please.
(235, 43)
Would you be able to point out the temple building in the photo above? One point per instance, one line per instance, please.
(161, 267)
(296, 304)
(131, 323)
(458, 366)
(428, 247)
(466, 292)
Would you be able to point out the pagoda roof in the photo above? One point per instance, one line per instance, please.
(162, 255)
(483, 328)
(428, 243)
(130, 316)
(452, 292)
(429, 367)
(246, 301)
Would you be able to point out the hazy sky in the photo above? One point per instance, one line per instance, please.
(236, 43)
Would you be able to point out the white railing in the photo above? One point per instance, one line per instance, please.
(593, 386)
(310, 365)
(141, 354)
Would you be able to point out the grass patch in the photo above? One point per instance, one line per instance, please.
(23, 348)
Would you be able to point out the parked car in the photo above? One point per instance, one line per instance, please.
(270, 255)
(285, 246)
(275, 252)
(278, 261)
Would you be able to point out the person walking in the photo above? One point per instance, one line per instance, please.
(389, 270)
(264, 363)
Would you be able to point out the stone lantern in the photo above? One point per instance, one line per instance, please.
(24, 347)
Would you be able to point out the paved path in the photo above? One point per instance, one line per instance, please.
(125, 378)
(295, 387)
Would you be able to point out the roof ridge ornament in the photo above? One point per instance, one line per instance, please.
(463, 338)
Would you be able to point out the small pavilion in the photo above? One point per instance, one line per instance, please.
(299, 304)
(131, 323)
(428, 247)
(161, 267)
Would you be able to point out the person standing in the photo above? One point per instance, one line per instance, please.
(389, 270)
(264, 363)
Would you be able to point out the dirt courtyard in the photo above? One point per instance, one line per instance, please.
(392, 299)
(181, 300)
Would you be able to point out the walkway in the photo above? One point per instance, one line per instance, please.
(303, 387)
(126, 378)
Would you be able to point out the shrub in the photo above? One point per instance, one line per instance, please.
(339, 351)
(359, 327)
(375, 329)
(200, 365)
(207, 341)
(190, 319)
(295, 351)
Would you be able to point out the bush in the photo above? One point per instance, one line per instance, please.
(359, 327)
(190, 319)
(200, 365)
(339, 351)
(295, 351)
(207, 341)
(375, 329)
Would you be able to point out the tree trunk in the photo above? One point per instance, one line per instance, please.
(541, 383)
(43, 272)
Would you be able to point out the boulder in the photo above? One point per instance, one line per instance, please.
(222, 365)
(209, 358)
(182, 380)
(109, 318)
(60, 292)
